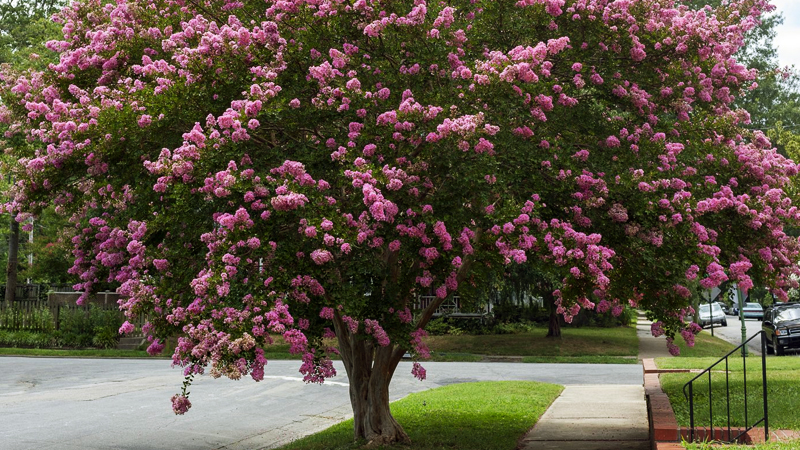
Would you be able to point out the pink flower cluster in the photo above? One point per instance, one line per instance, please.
(410, 163)
(180, 404)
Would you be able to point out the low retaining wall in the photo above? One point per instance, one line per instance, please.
(69, 299)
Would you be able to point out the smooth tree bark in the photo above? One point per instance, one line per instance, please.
(11, 268)
(370, 369)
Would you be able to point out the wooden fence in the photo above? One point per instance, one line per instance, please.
(26, 315)
(37, 315)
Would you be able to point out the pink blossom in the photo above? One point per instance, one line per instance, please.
(656, 329)
(674, 350)
(180, 404)
(126, 328)
(418, 371)
(326, 313)
(155, 348)
(321, 256)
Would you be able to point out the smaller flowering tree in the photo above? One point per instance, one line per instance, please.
(306, 168)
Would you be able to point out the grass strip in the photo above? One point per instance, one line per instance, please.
(88, 353)
(791, 445)
(581, 359)
(577, 345)
(586, 341)
(705, 345)
(467, 416)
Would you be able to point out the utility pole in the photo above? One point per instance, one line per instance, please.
(710, 312)
(741, 319)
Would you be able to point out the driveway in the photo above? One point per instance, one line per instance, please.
(50, 403)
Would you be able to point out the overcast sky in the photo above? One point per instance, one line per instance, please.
(788, 35)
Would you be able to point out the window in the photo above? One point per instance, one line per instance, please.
(788, 314)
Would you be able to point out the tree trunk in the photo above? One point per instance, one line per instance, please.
(554, 325)
(11, 268)
(369, 370)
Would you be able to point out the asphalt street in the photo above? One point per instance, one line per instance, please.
(49, 403)
(733, 332)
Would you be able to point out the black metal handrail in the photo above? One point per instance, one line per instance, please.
(690, 395)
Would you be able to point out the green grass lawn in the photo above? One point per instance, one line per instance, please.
(575, 342)
(783, 390)
(468, 416)
(704, 345)
(783, 386)
(86, 353)
(577, 345)
(588, 359)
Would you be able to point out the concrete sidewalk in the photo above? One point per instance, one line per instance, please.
(649, 346)
(593, 417)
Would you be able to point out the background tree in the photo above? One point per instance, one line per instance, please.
(328, 161)
(774, 105)
(25, 27)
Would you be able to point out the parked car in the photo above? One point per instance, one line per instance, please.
(725, 308)
(753, 311)
(782, 327)
(712, 313)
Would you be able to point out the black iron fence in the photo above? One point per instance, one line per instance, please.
(731, 396)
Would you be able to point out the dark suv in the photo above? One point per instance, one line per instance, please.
(782, 327)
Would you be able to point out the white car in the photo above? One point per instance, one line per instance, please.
(709, 314)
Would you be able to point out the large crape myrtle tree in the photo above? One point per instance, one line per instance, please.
(306, 168)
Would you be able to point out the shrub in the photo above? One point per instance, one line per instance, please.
(513, 328)
(604, 320)
(18, 318)
(438, 327)
(25, 339)
(81, 327)
(508, 312)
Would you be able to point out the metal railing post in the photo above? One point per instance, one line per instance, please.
(691, 412)
(707, 372)
(764, 382)
(742, 301)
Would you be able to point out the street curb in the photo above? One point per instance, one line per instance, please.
(649, 366)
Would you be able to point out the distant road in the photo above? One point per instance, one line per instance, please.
(71, 404)
(733, 332)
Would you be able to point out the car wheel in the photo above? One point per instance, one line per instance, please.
(724, 322)
(770, 349)
(779, 350)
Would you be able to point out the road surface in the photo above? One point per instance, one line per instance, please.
(733, 332)
(70, 404)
